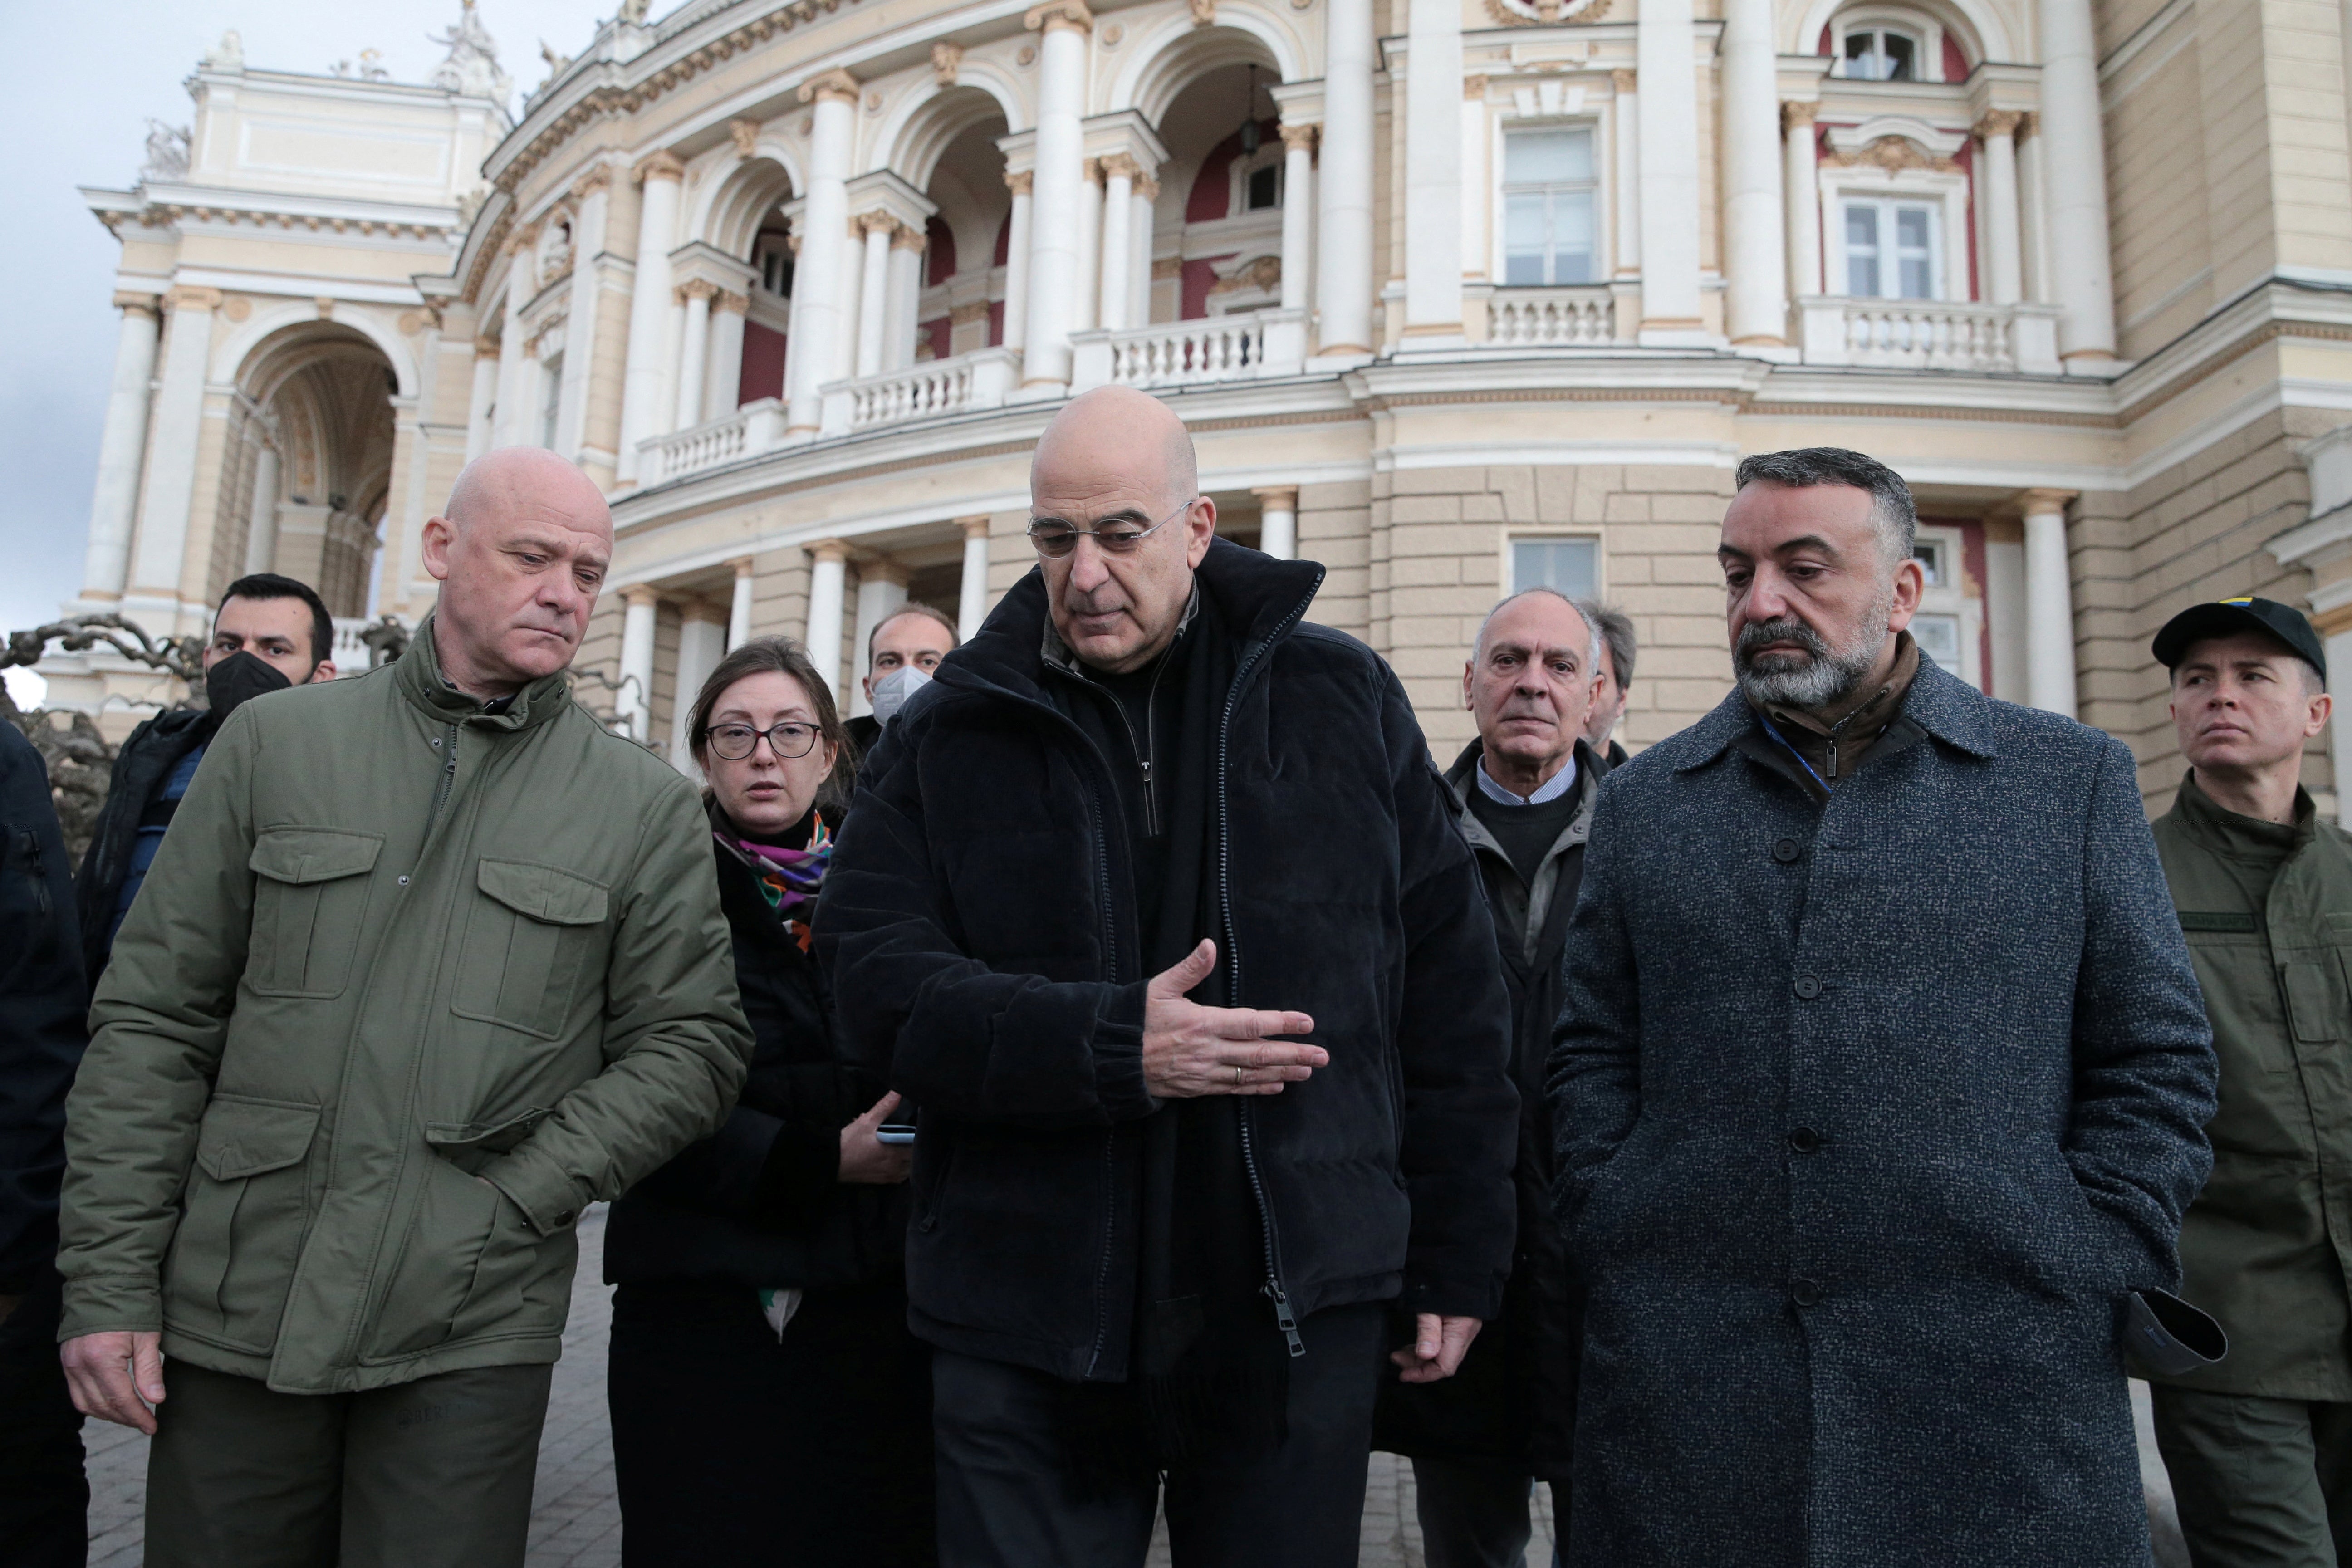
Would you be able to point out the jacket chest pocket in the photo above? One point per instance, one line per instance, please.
(309, 903)
(527, 941)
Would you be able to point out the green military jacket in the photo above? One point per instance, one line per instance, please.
(392, 943)
(2267, 1246)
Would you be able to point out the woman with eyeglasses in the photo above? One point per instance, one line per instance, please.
(769, 1404)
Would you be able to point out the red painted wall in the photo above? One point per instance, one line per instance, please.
(763, 364)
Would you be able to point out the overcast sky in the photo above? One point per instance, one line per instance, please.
(88, 78)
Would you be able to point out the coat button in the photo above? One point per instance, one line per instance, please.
(1805, 1141)
(1808, 986)
(1786, 850)
(1805, 1293)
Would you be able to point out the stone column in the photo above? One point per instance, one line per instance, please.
(827, 581)
(1433, 169)
(2074, 186)
(899, 322)
(645, 397)
(1016, 260)
(971, 597)
(738, 612)
(482, 405)
(512, 428)
(1755, 308)
(589, 194)
(261, 520)
(1624, 119)
(817, 320)
(722, 375)
(1278, 529)
(1670, 196)
(1055, 281)
(881, 594)
(1343, 245)
(874, 289)
(1118, 291)
(701, 644)
(2005, 268)
(694, 353)
(1297, 213)
(1146, 204)
(1090, 211)
(634, 701)
(169, 490)
(114, 504)
(1803, 151)
(2049, 602)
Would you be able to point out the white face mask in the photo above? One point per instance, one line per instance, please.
(891, 693)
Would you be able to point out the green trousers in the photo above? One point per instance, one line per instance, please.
(2260, 1483)
(431, 1474)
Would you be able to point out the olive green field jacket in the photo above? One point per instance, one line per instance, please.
(2267, 1245)
(392, 944)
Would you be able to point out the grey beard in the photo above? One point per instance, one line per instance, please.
(1826, 675)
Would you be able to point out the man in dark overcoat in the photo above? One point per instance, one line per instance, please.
(1879, 1087)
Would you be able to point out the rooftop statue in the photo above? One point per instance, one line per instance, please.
(471, 67)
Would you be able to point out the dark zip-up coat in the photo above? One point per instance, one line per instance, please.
(981, 920)
(42, 1004)
(1515, 1398)
(760, 1202)
(142, 765)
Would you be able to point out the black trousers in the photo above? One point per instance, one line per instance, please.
(1474, 1513)
(1004, 1501)
(433, 1473)
(735, 1448)
(44, 1498)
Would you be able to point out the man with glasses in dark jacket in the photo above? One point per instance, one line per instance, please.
(1154, 904)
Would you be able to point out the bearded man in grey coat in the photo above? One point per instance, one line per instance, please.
(1879, 1089)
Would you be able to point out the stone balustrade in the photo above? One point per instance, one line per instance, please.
(1930, 334)
(1551, 318)
(747, 431)
(927, 390)
(1245, 345)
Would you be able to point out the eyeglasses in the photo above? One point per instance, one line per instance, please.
(737, 741)
(1056, 538)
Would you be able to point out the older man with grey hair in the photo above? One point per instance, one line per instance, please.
(1879, 1091)
(1523, 796)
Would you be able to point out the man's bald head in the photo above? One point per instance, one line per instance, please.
(1119, 460)
(1116, 427)
(521, 554)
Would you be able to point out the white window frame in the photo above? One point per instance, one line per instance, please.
(1948, 192)
(1498, 258)
(1923, 27)
(1270, 154)
(1890, 257)
(1507, 572)
(1952, 598)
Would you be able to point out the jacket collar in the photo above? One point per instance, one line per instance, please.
(418, 676)
(1461, 779)
(1939, 702)
(1260, 597)
(2225, 832)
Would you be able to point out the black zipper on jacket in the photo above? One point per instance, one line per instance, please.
(1283, 1316)
(1150, 745)
(1110, 1168)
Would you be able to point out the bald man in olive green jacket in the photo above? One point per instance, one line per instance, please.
(429, 963)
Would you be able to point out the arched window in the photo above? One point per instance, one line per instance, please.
(1880, 54)
(1893, 43)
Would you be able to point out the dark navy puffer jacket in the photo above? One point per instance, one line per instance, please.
(982, 926)
(1869, 1117)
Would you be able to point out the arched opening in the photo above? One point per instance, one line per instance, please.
(966, 242)
(749, 318)
(307, 470)
(1217, 245)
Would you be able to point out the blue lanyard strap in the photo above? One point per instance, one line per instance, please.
(1766, 720)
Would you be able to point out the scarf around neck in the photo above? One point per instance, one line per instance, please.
(789, 880)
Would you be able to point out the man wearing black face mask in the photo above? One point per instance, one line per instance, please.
(270, 632)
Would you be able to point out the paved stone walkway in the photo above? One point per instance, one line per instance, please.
(576, 1520)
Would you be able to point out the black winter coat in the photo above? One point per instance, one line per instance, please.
(761, 1204)
(43, 1003)
(981, 924)
(1514, 1399)
(1871, 1114)
(142, 765)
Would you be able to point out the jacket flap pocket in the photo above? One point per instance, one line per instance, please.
(498, 1137)
(241, 1138)
(313, 854)
(542, 892)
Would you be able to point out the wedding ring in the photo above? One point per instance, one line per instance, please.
(1237, 1077)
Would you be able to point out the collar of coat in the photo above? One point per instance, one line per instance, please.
(1947, 708)
(1260, 597)
(1460, 779)
(419, 675)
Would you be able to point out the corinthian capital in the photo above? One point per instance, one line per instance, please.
(1053, 14)
(838, 85)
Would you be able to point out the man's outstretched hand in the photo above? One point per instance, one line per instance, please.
(116, 1377)
(1437, 1349)
(1190, 1050)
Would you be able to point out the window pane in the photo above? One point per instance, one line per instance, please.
(1939, 637)
(1527, 239)
(1568, 565)
(1571, 238)
(1931, 563)
(1894, 53)
(1264, 192)
(1862, 249)
(1861, 55)
(1540, 157)
(1915, 230)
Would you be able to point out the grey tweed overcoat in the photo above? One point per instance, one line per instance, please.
(1869, 1117)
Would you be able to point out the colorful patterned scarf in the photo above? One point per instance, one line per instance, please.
(789, 880)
